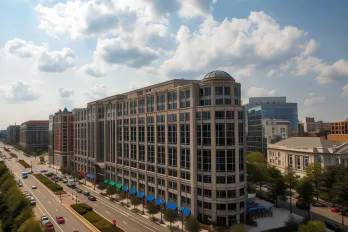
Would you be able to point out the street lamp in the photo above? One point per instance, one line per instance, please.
(31, 166)
(161, 210)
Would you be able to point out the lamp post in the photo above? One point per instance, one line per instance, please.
(31, 166)
(161, 210)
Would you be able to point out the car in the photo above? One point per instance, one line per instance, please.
(20, 184)
(78, 190)
(25, 192)
(43, 171)
(302, 205)
(65, 181)
(33, 187)
(44, 220)
(86, 193)
(32, 202)
(92, 198)
(49, 226)
(318, 204)
(344, 212)
(335, 209)
(332, 226)
(60, 219)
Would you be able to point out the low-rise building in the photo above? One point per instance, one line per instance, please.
(338, 131)
(310, 125)
(299, 152)
(13, 133)
(34, 135)
(275, 130)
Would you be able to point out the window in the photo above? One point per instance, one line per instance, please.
(172, 100)
(160, 134)
(185, 175)
(185, 98)
(230, 134)
(172, 172)
(204, 160)
(133, 151)
(221, 207)
(160, 155)
(232, 206)
(231, 193)
(161, 100)
(218, 91)
(185, 188)
(231, 179)
(206, 115)
(241, 192)
(185, 158)
(206, 132)
(219, 114)
(172, 185)
(205, 96)
(241, 159)
(305, 162)
(172, 156)
(172, 118)
(141, 106)
(133, 134)
(220, 161)
(237, 96)
(199, 134)
(220, 220)
(207, 179)
(290, 161)
(172, 134)
(161, 182)
(150, 154)
(150, 134)
(230, 161)
(185, 134)
(207, 192)
(240, 115)
(206, 205)
(220, 180)
(142, 153)
(150, 103)
(125, 133)
(241, 133)
(298, 162)
(198, 115)
(220, 134)
(133, 107)
(141, 133)
(229, 114)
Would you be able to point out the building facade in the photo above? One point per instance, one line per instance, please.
(13, 133)
(63, 139)
(180, 141)
(339, 131)
(275, 130)
(34, 135)
(3, 134)
(275, 108)
(310, 125)
(51, 157)
(299, 152)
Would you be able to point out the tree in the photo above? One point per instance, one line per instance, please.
(292, 223)
(171, 216)
(42, 159)
(239, 228)
(273, 173)
(305, 192)
(256, 165)
(314, 172)
(110, 190)
(192, 224)
(135, 201)
(313, 226)
(151, 208)
(290, 179)
(278, 189)
(31, 225)
(102, 186)
(257, 159)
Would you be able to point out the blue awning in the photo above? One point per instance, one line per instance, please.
(182, 208)
(91, 176)
(171, 206)
(159, 201)
(186, 212)
(88, 175)
(150, 198)
(141, 194)
(125, 188)
(132, 191)
(250, 201)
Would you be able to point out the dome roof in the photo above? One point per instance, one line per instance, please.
(217, 74)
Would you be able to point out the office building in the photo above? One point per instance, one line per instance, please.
(63, 138)
(181, 142)
(339, 131)
(275, 130)
(13, 133)
(299, 152)
(34, 135)
(276, 108)
(50, 139)
(310, 125)
(3, 134)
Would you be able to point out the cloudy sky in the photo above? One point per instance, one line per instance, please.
(69, 52)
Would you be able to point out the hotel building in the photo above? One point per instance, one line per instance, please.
(34, 135)
(181, 142)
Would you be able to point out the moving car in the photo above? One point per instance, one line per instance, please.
(65, 181)
(92, 198)
(32, 202)
(60, 219)
(333, 227)
(49, 226)
(78, 190)
(86, 193)
(344, 212)
(33, 187)
(20, 184)
(43, 171)
(44, 220)
(318, 204)
(335, 209)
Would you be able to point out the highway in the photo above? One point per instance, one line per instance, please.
(126, 219)
(46, 203)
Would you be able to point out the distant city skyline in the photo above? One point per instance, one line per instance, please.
(59, 55)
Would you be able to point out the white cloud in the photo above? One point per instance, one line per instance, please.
(345, 90)
(138, 85)
(45, 60)
(312, 46)
(196, 8)
(97, 92)
(330, 73)
(92, 70)
(313, 100)
(65, 92)
(261, 92)
(18, 92)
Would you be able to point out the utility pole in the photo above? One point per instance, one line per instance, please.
(31, 165)
(290, 180)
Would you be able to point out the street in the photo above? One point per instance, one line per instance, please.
(126, 219)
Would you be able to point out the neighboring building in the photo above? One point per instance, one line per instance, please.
(299, 152)
(13, 133)
(275, 108)
(300, 129)
(339, 131)
(3, 134)
(63, 143)
(275, 130)
(310, 125)
(51, 157)
(34, 135)
(182, 141)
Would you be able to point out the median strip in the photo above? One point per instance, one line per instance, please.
(54, 187)
(24, 164)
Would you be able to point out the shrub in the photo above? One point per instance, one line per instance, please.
(13, 155)
(54, 187)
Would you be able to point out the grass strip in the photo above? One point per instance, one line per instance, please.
(24, 164)
(54, 187)
(13, 155)
(94, 218)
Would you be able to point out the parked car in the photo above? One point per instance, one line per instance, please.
(335, 209)
(33, 187)
(32, 202)
(78, 190)
(318, 204)
(332, 226)
(86, 193)
(302, 205)
(60, 219)
(92, 198)
(49, 226)
(44, 220)
(20, 184)
(64, 181)
(344, 212)
(43, 171)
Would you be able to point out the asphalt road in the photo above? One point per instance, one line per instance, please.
(46, 203)
(126, 219)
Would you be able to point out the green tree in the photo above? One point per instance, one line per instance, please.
(312, 226)
(278, 188)
(31, 225)
(171, 216)
(305, 193)
(192, 224)
(151, 208)
(273, 173)
(42, 159)
(110, 190)
(256, 165)
(103, 186)
(314, 172)
(238, 228)
(292, 223)
(135, 201)
(290, 180)
(256, 158)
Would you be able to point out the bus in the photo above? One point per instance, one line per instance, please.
(24, 175)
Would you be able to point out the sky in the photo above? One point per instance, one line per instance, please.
(70, 52)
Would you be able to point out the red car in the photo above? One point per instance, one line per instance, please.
(49, 226)
(60, 220)
(335, 209)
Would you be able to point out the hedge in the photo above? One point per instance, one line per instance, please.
(24, 164)
(54, 187)
(13, 155)
(94, 218)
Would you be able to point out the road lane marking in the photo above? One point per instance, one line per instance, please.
(49, 202)
(125, 222)
(57, 210)
(108, 212)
